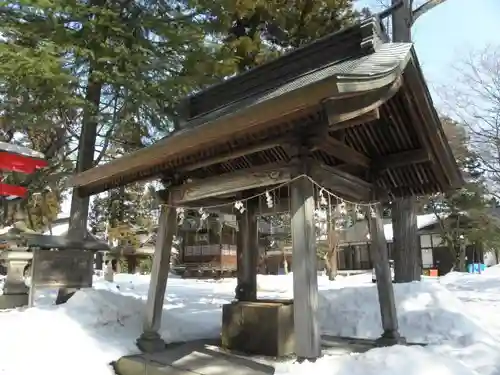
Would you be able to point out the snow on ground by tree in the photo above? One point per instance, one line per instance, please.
(457, 316)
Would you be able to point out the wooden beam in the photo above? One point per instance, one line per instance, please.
(357, 159)
(225, 205)
(234, 154)
(340, 110)
(370, 116)
(341, 182)
(246, 179)
(215, 201)
(341, 151)
(402, 159)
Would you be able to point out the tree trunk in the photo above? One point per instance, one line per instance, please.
(406, 250)
(80, 205)
(131, 264)
(331, 264)
(331, 255)
(401, 22)
(285, 263)
(461, 261)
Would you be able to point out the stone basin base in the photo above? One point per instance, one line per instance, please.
(263, 327)
(11, 301)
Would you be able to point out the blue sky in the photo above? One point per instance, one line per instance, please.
(451, 30)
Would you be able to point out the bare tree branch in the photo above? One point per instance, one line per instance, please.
(474, 99)
(424, 8)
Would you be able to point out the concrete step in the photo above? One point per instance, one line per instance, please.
(193, 358)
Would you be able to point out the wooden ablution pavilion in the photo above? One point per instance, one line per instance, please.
(352, 111)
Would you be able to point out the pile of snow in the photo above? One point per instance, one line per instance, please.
(396, 360)
(50, 340)
(492, 271)
(97, 326)
(282, 284)
(457, 316)
(427, 313)
(192, 305)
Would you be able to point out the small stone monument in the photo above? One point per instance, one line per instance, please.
(15, 292)
(108, 272)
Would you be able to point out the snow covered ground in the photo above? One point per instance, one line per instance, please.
(456, 315)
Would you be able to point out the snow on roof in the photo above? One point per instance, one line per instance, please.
(16, 149)
(422, 222)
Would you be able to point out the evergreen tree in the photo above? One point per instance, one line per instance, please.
(464, 214)
(255, 31)
(107, 72)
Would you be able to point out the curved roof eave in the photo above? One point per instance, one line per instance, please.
(352, 77)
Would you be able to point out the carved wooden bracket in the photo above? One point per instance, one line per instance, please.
(233, 182)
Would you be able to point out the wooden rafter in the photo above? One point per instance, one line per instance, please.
(341, 151)
(401, 159)
(350, 156)
(234, 154)
(344, 183)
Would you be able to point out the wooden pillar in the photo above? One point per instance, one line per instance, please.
(380, 258)
(356, 258)
(247, 248)
(131, 263)
(305, 276)
(150, 340)
(406, 250)
(99, 260)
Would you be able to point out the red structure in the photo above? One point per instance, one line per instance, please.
(19, 159)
